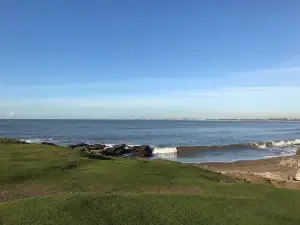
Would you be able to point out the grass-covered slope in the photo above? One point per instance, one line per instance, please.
(42, 184)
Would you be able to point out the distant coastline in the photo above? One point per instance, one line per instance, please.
(257, 120)
(166, 119)
(231, 120)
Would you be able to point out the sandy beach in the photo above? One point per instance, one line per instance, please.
(278, 171)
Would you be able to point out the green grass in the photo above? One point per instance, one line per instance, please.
(42, 184)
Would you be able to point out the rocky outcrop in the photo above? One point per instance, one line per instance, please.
(11, 141)
(101, 151)
(96, 147)
(298, 152)
(142, 151)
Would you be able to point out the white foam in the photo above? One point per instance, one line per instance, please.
(37, 140)
(278, 144)
(271, 156)
(110, 145)
(287, 143)
(167, 150)
(167, 156)
(260, 145)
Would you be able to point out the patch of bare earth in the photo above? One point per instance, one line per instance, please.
(278, 172)
(20, 191)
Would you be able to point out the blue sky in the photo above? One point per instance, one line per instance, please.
(157, 59)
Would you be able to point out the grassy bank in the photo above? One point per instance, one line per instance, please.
(42, 184)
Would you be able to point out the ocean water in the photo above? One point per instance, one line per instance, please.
(216, 141)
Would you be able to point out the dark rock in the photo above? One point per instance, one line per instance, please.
(120, 150)
(127, 155)
(134, 148)
(95, 147)
(116, 150)
(298, 152)
(143, 151)
(78, 145)
(269, 144)
(48, 143)
(127, 150)
(98, 146)
(109, 151)
(124, 149)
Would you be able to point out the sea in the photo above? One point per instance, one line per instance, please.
(182, 141)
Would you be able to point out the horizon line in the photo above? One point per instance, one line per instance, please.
(165, 119)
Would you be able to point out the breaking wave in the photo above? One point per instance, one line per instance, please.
(279, 144)
(38, 140)
(258, 145)
(284, 146)
(167, 150)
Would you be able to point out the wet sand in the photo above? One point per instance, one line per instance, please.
(278, 171)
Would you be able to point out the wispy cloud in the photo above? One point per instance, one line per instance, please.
(271, 91)
(272, 71)
(247, 91)
(264, 74)
(234, 102)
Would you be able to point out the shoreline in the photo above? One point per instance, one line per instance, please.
(279, 171)
(182, 150)
(219, 153)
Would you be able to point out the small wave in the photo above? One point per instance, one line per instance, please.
(214, 147)
(286, 145)
(282, 153)
(278, 144)
(259, 145)
(167, 156)
(166, 150)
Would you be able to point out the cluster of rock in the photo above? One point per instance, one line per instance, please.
(11, 141)
(101, 151)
